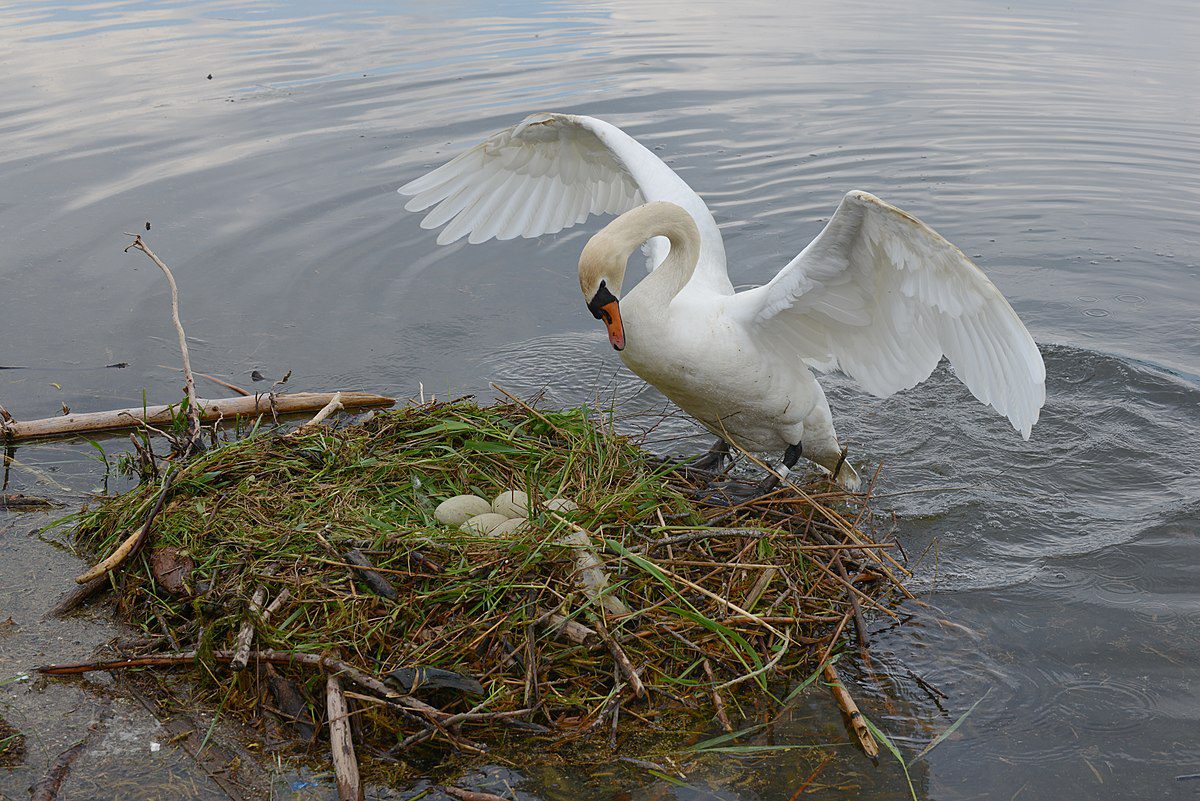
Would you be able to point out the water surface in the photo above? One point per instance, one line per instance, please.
(1053, 142)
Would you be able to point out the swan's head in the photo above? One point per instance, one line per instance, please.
(601, 270)
(602, 263)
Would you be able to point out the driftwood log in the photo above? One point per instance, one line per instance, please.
(211, 411)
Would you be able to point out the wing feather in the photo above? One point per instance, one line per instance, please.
(882, 297)
(550, 172)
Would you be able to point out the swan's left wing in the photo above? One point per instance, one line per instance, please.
(882, 297)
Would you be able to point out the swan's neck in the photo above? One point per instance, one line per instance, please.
(619, 239)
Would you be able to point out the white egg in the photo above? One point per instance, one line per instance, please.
(461, 508)
(510, 526)
(485, 523)
(513, 503)
(561, 505)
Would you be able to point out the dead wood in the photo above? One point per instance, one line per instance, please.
(850, 709)
(46, 788)
(341, 743)
(210, 411)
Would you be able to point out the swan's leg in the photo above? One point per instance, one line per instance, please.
(712, 458)
(790, 457)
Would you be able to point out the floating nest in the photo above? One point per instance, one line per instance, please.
(706, 609)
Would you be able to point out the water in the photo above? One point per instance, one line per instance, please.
(1053, 142)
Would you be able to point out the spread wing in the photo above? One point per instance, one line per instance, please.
(882, 297)
(550, 172)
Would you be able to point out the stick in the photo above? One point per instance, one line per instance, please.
(78, 595)
(210, 411)
(189, 379)
(328, 664)
(365, 570)
(620, 657)
(860, 626)
(215, 380)
(134, 541)
(341, 743)
(245, 638)
(46, 789)
(850, 709)
(718, 702)
(334, 405)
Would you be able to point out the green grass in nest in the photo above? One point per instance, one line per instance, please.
(279, 511)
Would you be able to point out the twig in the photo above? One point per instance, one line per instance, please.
(860, 626)
(46, 788)
(134, 541)
(811, 777)
(6, 421)
(718, 701)
(189, 379)
(245, 638)
(846, 702)
(620, 656)
(341, 742)
(218, 381)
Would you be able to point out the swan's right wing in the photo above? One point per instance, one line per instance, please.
(550, 172)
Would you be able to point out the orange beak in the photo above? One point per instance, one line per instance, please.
(611, 314)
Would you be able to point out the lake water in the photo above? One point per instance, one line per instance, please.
(1056, 143)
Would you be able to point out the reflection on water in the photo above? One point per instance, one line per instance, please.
(1053, 142)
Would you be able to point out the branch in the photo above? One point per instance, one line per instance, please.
(188, 377)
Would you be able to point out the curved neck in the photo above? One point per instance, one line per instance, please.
(617, 241)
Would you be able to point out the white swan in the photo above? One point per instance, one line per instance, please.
(878, 294)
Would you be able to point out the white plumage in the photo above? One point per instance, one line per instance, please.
(878, 294)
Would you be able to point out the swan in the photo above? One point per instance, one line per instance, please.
(877, 295)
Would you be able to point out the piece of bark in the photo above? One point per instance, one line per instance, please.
(573, 630)
(413, 680)
(471, 795)
(291, 704)
(211, 411)
(171, 568)
(364, 569)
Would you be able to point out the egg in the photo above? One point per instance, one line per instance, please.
(461, 508)
(510, 526)
(561, 505)
(513, 503)
(485, 523)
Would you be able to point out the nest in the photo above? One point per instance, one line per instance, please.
(321, 545)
